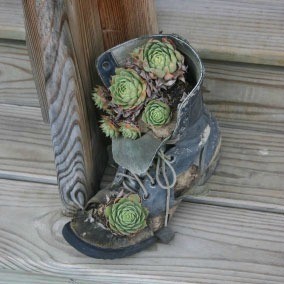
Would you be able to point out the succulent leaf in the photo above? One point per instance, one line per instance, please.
(161, 60)
(129, 130)
(128, 89)
(100, 97)
(127, 216)
(108, 127)
(156, 113)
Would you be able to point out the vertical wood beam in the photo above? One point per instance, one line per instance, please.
(35, 52)
(64, 37)
(126, 19)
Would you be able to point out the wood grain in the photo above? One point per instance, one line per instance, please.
(126, 19)
(212, 244)
(16, 81)
(250, 170)
(248, 101)
(25, 144)
(66, 35)
(243, 31)
(245, 92)
(221, 29)
(36, 55)
(8, 277)
(11, 20)
(113, 27)
(23, 194)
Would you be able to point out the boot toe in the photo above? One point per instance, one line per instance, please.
(94, 240)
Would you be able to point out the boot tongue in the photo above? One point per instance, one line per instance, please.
(136, 155)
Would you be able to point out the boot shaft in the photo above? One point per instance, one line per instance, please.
(189, 110)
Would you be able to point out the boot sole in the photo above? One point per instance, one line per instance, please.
(103, 253)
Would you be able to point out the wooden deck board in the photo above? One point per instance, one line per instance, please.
(8, 277)
(250, 170)
(12, 20)
(212, 244)
(245, 92)
(17, 86)
(25, 144)
(242, 31)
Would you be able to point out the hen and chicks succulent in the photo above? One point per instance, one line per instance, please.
(137, 92)
(127, 215)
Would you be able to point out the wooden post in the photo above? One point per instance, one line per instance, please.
(64, 37)
(126, 19)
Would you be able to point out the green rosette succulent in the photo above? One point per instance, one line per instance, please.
(100, 97)
(129, 130)
(160, 59)
(108, 127)
(128, 89)
(156, 113)
(127, 216)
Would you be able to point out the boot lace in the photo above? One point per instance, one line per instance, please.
(163, 161)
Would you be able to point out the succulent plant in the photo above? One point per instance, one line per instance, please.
(142, 86)
(108, 127)
(129, 130)
(100, 97)
(127, 216)
(156, 113)
(161, 60)
(128, 89)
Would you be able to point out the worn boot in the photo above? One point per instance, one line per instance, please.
(133, 212)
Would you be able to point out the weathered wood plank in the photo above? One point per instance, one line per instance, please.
(9, 277)
(28, 194)
(245, 92)
(17, 86)
(25, 144)
(11, 20)
(36, 55)
(212, 244)
(243, 31)
(220, 29)
(250, 170)
(65, 41)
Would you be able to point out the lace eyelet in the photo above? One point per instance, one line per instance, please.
(106, 65)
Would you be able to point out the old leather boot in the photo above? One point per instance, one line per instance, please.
(133, 212)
